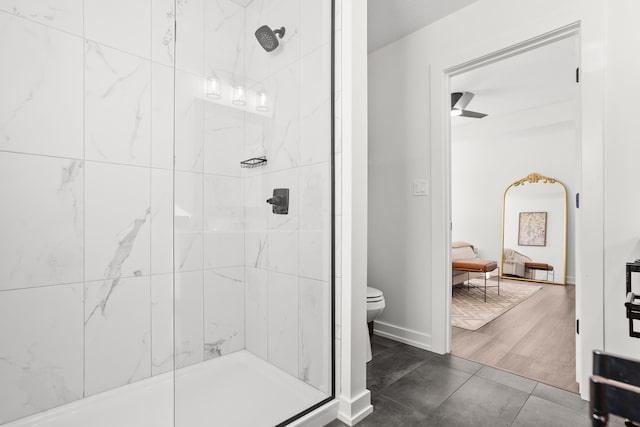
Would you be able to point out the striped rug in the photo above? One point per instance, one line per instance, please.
(469, 311)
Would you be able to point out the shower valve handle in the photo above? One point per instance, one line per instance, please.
(280, 201)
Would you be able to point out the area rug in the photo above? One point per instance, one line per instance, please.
(469, 311)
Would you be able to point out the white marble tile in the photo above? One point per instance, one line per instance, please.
(189, 318)
(64, 15)
(254, 145)
(338, 122)
(256, 248)
(224, 129)
(163, 36)
(224, 316)
(123, 24)
(283, 251)
(117, 106)
(162, 110)
(315, 106)
(223, 221)
(42, 70)
(188, 220)
(256, 311)
(256, 210)
(42, 220)
(190, 43)
(315, 221)
(276, 14)
(315, 25)
(117, 229)
(41, 364)
(117, 333)
(338, 247)
(224, 39)
(189, 122)
(161, 323)
(338, 186)
(283, 230)
(338, 306)
(315, 334)
(161, 219)
(282, 300)
(278, 135)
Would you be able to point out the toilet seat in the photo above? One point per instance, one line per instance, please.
(374, 295)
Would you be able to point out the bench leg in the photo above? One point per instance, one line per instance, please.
(485, 287)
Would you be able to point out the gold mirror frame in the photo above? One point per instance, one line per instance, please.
(535, 178)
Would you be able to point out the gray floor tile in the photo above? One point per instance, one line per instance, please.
(539, 412)
(387, 413)
(506, 378)
(561, 397)
(380, 344)
(479, 402)
(426, 387)
(391, 365)
(455, 362)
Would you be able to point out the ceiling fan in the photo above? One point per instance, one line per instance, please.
(459, 101)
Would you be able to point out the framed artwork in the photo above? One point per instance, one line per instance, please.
(532, 229)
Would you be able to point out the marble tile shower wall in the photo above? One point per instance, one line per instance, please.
(288, 256)
(86, 177)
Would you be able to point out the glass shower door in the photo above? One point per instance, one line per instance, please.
(252, 211)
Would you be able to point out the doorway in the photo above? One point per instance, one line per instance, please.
(531, 99)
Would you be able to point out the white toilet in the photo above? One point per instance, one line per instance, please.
(375, 306)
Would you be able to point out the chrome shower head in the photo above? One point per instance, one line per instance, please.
(267, 37)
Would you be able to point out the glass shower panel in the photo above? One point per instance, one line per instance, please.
(253, 267)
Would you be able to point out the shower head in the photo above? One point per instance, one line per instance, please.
(267, 37)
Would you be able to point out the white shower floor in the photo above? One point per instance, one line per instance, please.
(239, 389)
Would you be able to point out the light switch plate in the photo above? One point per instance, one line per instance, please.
(420, 187)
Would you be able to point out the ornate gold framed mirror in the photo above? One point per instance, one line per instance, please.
(534, 230)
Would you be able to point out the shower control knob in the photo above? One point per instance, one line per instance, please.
(280, 201)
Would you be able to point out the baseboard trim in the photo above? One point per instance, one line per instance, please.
(403, 335)
(320, 417)
(355, 410)
(571, 280)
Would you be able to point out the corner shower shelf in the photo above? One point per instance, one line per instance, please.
(254, 162)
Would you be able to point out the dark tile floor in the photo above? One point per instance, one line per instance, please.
(413, 387)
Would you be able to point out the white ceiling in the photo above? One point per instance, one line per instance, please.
(536, 78)
(390, 20)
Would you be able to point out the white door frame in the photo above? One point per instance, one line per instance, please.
(589, 284)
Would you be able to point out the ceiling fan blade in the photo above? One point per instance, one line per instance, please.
(474, 114)
(460, 100)
(455, 96)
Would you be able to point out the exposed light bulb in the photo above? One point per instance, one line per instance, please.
(239, 95)
(213, 87)
(261, 102)
(455, 112)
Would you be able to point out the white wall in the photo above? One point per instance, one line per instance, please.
(399, 232)
(622, 207)
(489, 155)
(408, 104)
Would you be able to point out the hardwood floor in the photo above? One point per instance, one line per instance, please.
(535, 339)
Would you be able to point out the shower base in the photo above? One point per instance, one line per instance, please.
(238, 389)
